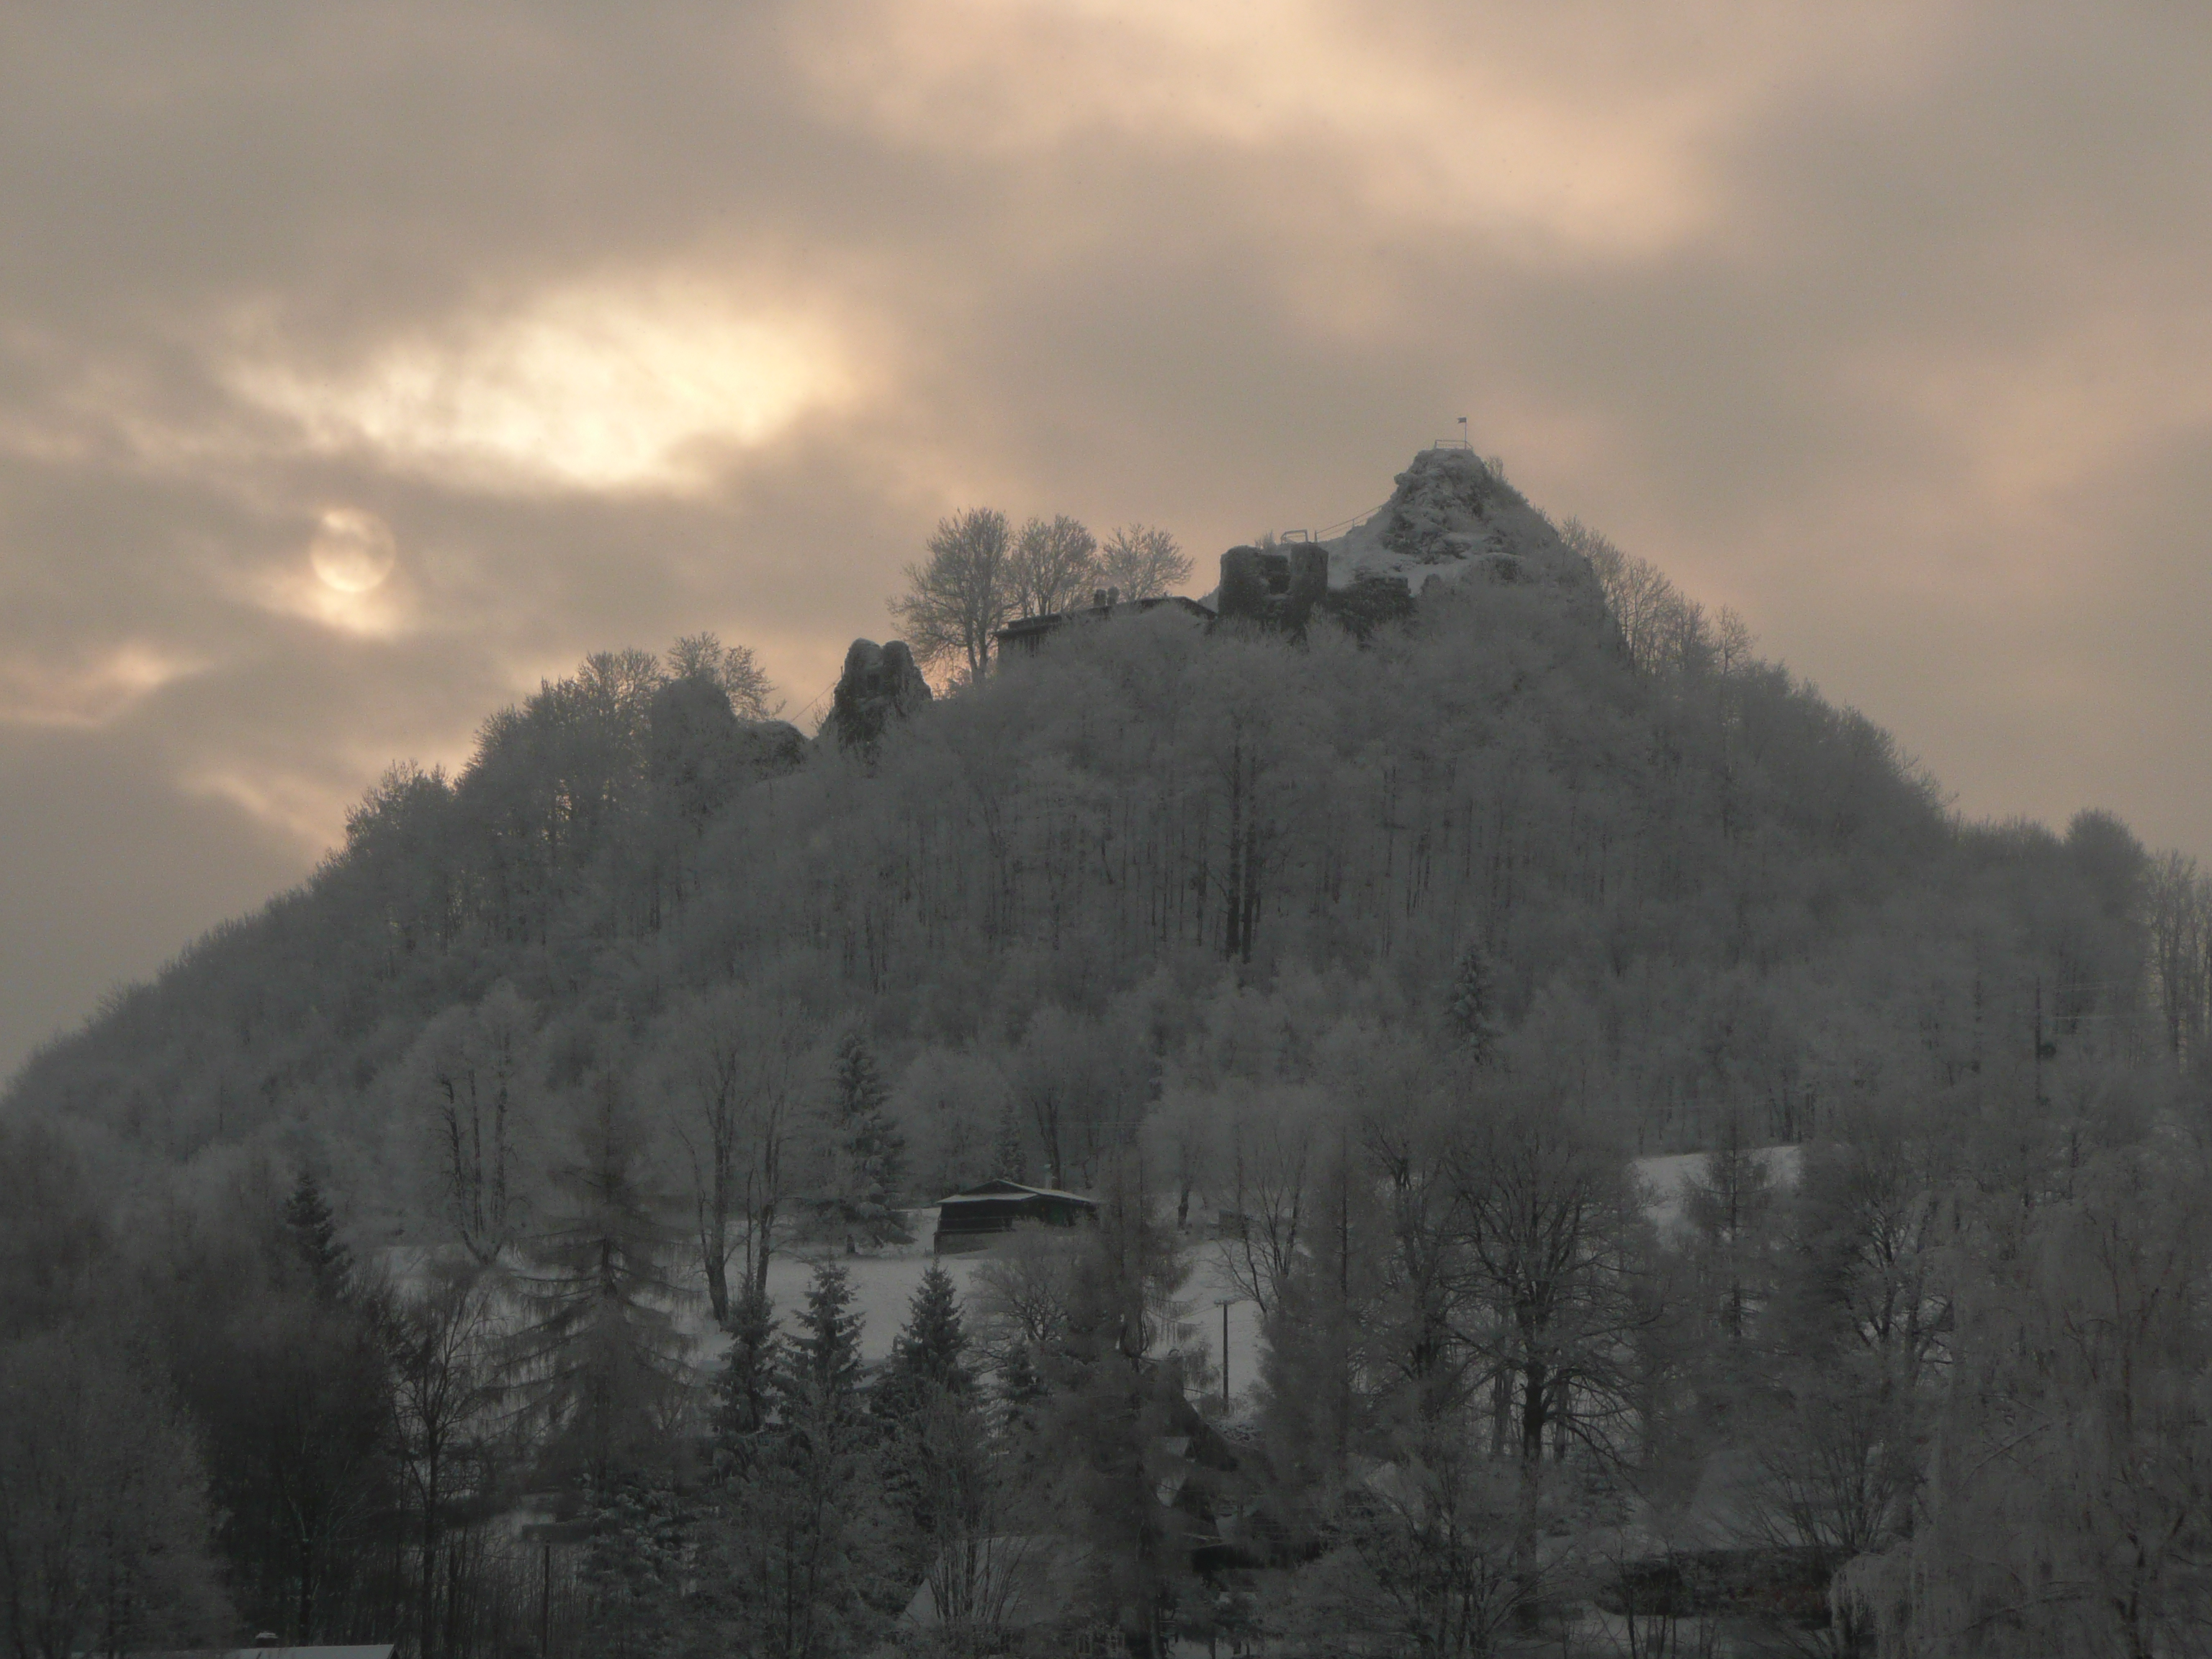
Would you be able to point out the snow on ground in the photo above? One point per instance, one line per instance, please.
(884, 1284)
(884, 1287)
(1667, 1179)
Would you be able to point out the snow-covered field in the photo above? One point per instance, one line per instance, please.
(1665, 1180)
(883, 1286)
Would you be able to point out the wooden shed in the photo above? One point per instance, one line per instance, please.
(970, 1220)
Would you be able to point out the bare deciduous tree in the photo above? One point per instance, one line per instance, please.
(737, 1057)
(1270, 1158)
(961, 596)
(1051, 567)
(733, 667)
(471, 1065)
(1142, 562)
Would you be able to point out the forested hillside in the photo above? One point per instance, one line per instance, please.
(1351, 967)
(1698, 886)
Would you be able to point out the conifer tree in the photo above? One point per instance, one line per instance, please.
(1021, 1387)
(930, 1354)
(601, 1365)
(1111, 1403)
(1729, 1204)
(744, 1390)
(870, 1153)
(1472, 1009)
(805, 1515)
(1009, 1158)
(314, 1234)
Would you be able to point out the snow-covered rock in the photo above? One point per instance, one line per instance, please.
(1451, 516)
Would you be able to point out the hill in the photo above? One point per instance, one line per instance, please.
(1350, 943)
(1162, 859)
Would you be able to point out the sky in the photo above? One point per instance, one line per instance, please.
(360, 367)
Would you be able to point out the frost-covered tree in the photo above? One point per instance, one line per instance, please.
(600, 1369)
(472, 1069)
(867, 1162)
(1053, 567)
(1729, 1204)
(1142, 562)
(1114, 1394)
(314, 1232)
(732, 669)
(959, 597)
(734, 1059)
(1472, 1009)
(104, 1516)
(931, 1350)
(798, 1513)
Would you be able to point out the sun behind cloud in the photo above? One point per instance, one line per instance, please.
(353, 551)
(594, 387)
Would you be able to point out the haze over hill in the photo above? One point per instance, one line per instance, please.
(1352, 947)
(1162, 857)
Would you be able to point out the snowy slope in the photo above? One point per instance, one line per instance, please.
(1449, 517)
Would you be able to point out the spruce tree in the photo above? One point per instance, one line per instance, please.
(1111, 1401)
(1021, 1387)
(314, 1234)
(806, 1516)
(744, 1390)
(930, 1355)
(870, 1153)
(1009, 1156)
(600, 1364)
(817, 1378)
(1472, 1009)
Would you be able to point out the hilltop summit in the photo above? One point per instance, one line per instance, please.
(1450, 513)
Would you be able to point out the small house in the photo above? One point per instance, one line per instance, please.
(970, 1220)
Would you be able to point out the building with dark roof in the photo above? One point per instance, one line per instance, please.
(970, 1220)
(1023, 637)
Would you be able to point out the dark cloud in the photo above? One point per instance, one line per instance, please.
(1888, 329)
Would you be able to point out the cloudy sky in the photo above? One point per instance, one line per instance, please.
(360, 366)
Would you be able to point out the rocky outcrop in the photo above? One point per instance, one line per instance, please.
(1453, 515)
(880, 682)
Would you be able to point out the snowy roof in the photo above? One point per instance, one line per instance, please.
(1016, 1189)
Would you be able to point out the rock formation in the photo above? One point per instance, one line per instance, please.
(880, 682)
(1453, 516)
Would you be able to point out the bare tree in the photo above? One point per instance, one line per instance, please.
(1271, 1157)
(1142, 562)
(104, 1517)
(2179, 913)
(961, 596)
(1552, 1226)
(445, 1391)
(471, 1065)
(1051, 567)
(737, 1057)
(1660, 626)
(734, 668)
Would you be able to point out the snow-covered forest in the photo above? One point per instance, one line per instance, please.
(396, 1267)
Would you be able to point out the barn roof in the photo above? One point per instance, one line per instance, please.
(1016, 1189)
